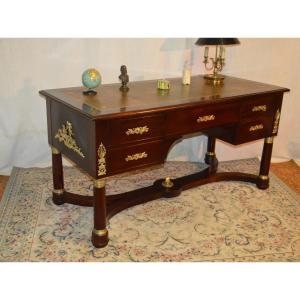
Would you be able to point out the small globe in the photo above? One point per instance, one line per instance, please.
(91, 78)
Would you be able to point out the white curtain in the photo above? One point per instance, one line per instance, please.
(30, 65)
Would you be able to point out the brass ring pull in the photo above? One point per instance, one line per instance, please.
(137, 130)
(136, 156)
(259, 108)
(206, 118)
(256, 127)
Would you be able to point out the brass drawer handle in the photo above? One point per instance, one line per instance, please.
(136, 156)
(206, 118)
(256, 127)
(137, 130)
(259, 108)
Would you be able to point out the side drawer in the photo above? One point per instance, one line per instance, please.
(131, 157)
(255, 129)
(136, 129)
(264, 105)
(196, 119)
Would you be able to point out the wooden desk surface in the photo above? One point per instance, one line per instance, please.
(143, 95)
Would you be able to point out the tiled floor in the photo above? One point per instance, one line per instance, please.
(288, 172)
(3, 181)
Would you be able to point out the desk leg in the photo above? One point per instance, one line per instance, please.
(100, 233)
(58, 177)
(263, 178)
(210, 156)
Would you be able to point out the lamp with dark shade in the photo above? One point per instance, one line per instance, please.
(218, 62)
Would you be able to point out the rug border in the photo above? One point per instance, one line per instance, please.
(8, 188)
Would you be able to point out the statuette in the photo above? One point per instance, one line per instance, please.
(124, 78)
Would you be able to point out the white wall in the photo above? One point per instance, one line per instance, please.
(30, 65)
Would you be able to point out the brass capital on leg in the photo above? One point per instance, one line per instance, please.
(269, 140)
(99, 183)
(54, 150)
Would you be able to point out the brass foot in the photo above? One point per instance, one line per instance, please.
(58, 198)
(100, 238)
(262, 182)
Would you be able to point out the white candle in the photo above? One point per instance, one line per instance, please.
(206, 52)
(221, 51)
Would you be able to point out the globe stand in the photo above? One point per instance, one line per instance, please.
(89, 92)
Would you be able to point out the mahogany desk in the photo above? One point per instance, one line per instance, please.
(117, 131)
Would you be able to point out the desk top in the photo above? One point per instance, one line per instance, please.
(143, 96)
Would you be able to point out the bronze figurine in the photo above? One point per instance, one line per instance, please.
(124, 78)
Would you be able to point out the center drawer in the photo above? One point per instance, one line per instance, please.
(197, 119)
(124, 131)
(132, 157)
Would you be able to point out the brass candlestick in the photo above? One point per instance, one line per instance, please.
(217, 63)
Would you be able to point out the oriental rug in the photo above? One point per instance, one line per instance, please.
(224, 221)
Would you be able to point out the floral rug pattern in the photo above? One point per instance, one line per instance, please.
(225, 221)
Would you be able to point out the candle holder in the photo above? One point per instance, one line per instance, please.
(217, 63)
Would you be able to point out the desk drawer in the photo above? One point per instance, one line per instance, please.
(265, 105)
(196, 119)
(135, 129)
(255, 129)
(127, 158)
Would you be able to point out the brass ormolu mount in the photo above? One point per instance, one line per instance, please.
(167, 183)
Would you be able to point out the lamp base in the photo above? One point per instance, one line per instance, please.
(89, 92)
(214, 79)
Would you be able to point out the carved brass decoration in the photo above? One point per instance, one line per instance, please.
(276, 122)
(137, 130)
(256, 127)
(65, 135)
(206, 118)
(259, 108)
(167, 183)
(136, 156)
(101, 160)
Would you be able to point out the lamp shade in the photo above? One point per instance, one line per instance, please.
(217, 41)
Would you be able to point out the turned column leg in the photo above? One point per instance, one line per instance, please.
(210, 156)
(263, 178)
(100, 233)
(58, 178)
